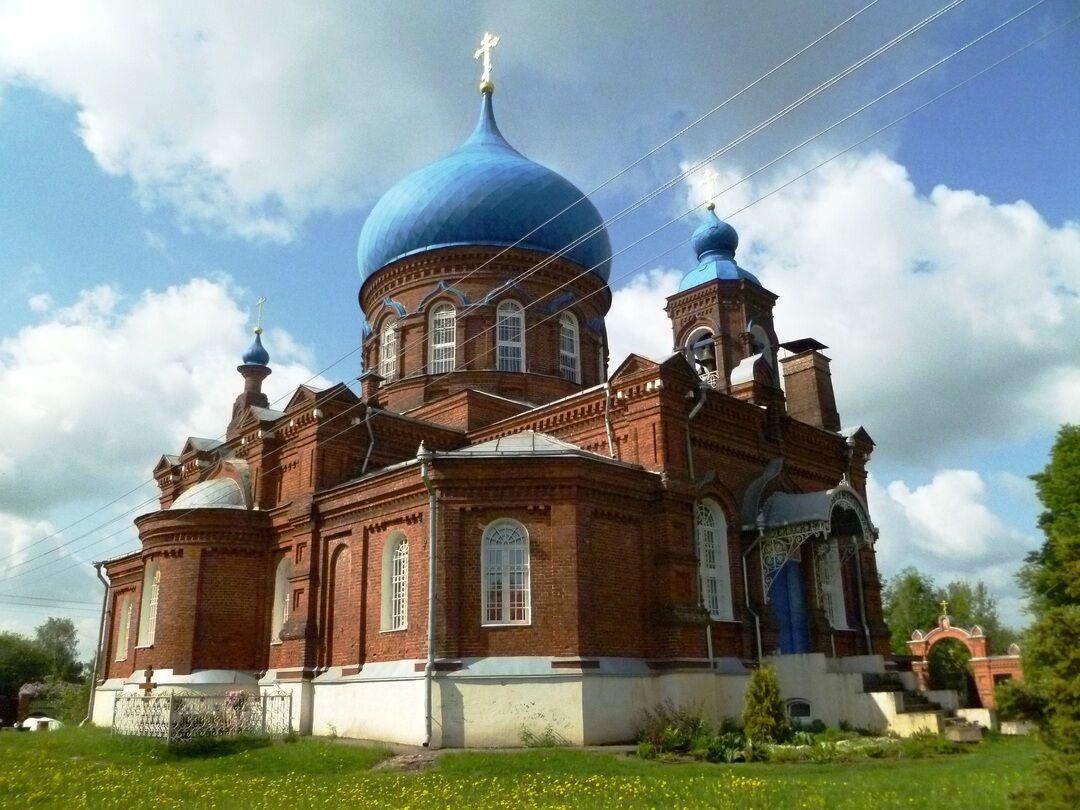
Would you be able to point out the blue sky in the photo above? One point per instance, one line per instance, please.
(161, 167)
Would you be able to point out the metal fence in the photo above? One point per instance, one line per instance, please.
(175, 718)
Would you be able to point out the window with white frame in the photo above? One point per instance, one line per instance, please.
(830, 582)
(281, 606)
(149, 606)
(395, 583)
(510, 337)
(441, 339)
(505, 574)
(569, 359)
(710, 530)
(388, 350)
(123, 636)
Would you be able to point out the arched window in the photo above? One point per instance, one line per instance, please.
(510, 337)
(149, 605)
(700, 350)
(710, 530)
(441, 339)
(395, 583)
(388, 350)
(504, 574)
(830, 583)
(280, 613)
(569, 360)
(123, 637)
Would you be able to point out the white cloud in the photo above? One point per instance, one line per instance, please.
(946, 528)
(95, 391)
(247, 121)
(632, 324)
(950, 319)
(40, 302)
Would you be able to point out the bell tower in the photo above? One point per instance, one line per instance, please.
(722, 319)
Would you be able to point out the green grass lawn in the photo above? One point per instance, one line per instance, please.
(87, 767)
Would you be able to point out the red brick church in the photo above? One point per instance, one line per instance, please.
(499, 535)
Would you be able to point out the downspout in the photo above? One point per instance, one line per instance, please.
(371, 438)
(607, 419)
(862, 601)
(105, 614)
(698, 404)
(746, 589)
(700, 394)
(426, 457)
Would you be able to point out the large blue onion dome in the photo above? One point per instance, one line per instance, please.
(484, 193)
(715, 242)
(256, 355)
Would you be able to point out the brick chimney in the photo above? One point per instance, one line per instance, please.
(808, 384)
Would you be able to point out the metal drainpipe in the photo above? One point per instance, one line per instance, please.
(371, 438)
(426, 457)
(701, 392)
(105, 612)
(746, 590)
(862, 600)
(607, 419)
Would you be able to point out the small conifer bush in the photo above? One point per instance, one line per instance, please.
(763, 718)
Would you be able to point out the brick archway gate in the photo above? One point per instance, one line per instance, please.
(987, 670)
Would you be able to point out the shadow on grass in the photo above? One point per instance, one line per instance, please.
(213, 747)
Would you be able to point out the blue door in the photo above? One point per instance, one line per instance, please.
(788, 602)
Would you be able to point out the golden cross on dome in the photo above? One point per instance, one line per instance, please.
(258, 323)
(710, 177)
(487, 44)
(944, 608)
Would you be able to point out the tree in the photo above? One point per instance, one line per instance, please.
(912, 601)
(1051, 652)
(21, 661)
(763, 718)
(58, 639)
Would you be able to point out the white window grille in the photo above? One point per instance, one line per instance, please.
(395, 583)
(505, 574)
(510, 337)
(149, 605)
(399, 587)
(441, 339)
(569, 364)
(710, 530)
(830, 584)
(281, 606)
(124, 635)
(388, 351)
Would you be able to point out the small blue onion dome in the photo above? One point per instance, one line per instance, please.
(715, 242)
(484, 193)
(256, 355)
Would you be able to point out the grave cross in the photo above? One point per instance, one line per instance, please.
(148, 685)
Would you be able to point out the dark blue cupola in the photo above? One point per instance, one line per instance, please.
(715, 242)
(256, 355)
(484, 193)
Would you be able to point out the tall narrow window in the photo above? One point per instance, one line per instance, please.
(510, 331)
(710, 529)
(505, 574)
(123, 636)
(441, 339)
(830, 583)
(395, 583)
(149, 605)
(388, 351)
(569, 361)
(281, 606)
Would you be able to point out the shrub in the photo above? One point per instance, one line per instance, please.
(1017, 702)
(927, 744)
(763, 718)
(672, 728)
(646, 750)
